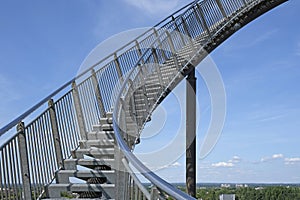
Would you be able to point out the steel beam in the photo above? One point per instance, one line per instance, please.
(191, 133)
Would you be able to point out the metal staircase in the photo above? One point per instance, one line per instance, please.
(93, 163)
(80, 145)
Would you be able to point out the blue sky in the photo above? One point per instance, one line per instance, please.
(43, 44)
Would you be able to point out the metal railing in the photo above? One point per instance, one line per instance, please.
(202, 22)
(35, 151)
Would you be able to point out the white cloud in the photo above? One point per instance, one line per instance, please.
(173, 165)
(154, 6)
(291, 161)
(235, 159)
(275, 156)
(223, 164)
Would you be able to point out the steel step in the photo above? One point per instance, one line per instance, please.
(62, 177)
(71, 164)
(107, 153)
(107, 190)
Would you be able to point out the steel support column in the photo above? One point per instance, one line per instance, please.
(191, 133)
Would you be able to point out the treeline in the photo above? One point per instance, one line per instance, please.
(249, 193)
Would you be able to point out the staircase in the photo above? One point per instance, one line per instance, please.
(154, 63)
(92, 164)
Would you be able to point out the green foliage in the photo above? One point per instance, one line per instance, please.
(250, 193)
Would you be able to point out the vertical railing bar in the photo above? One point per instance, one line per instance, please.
(48, 141)
(47, 145)
(41, 160)
(16, 165)
(70, 143)
(43, 147)
(99, 99)
(90, 102)
(173, 52)
(118, 66)
(30, 155)
(214, 13)
(31, 138)
(36, 133)
(71, 127)
(8, 171)
(94, 115)
(61, 115)
(7, 189)
(68, 128)
(16, 172)
(1, 174)
(73, 120)
(24, 161)
(75, 130)
(75, 135)
(159, 74)
(12, 168)
(82, 98)
(199, 20)
(159, 44)
(204, 21)
(220, 5)
(189, 35)
(4, 170)
(78, 109)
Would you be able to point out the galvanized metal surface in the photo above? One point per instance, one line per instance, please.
(75, 111)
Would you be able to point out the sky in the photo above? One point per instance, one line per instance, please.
(43, 44)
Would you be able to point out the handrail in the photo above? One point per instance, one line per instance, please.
(58, 129)
(159, 182)
(32, 109)
(147, 173)
(14, 122)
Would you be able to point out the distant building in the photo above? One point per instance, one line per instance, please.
(223, 185)
(241, 185)
(227, 197)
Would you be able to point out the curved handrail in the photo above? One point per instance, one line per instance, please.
(166, 187)
(126, 150)
(18, 119)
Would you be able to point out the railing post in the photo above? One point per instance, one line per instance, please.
(120, 173)
(160, 45)
(220, 5)
(172, 49)
(178, 31)
(55, 132)
(157, 67)
(118, 67)
(79, 113)
(22, 144)
(154, 195)
(138, 47)
(98, 94)
(203, 20)
(188, 33)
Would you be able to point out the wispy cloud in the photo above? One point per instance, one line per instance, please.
(229, 163)
(222, 164)
(154, 6)
(273, 157)
(291, 161)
